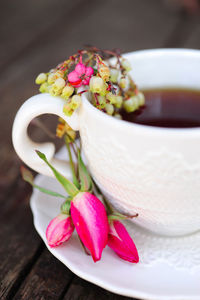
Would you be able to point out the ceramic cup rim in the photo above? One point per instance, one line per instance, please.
(143, 127)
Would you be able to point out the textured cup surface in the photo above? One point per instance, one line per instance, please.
(149, 170)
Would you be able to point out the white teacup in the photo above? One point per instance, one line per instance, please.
(149, 170)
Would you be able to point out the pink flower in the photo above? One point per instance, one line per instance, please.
(81, 75)
(91, 223)
(120, 241)
(59, 230)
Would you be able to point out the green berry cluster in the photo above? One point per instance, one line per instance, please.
(116, 90)
(55, 83)
(111, 87)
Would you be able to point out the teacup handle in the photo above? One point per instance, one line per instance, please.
(25, 147)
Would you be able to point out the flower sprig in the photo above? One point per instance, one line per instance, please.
(104, 73)
(95, 221)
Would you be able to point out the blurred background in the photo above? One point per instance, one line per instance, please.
(34, 37)
(37, 35)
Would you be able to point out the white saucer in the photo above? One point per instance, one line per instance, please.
(169, 268)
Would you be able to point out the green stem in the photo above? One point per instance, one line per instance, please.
(98, 192)
(75, 180)
(77, 148)
(108, 206)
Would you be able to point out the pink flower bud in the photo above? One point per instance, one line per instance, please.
(59, 230)
(81, 75)
(80, 69)
(91, 223)
(120, 241)
(88, 73)
(74, 79)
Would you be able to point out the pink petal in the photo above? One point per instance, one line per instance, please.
(59, 230)
(120, 241)
(78, 84)
(86, 81)
(74, 79)
(91, 223)
(80, 69)
(89, 71)
(73, 76)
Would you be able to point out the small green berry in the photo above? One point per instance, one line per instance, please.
(57, 87)
(67, 91)
(141, 98)
(111, 97)
(109, 108)
(104, 90)
(51, 78)
(104, 72)
(55, 75)
(114, 74)
(75, 102)
(102, 101)
(96, 84)
(59, 83)
(123, 83)
(119, 100)
(136, 100)
(44, 88)
(41, 78)
(130, 105)
(126, 64)
(68, 111)
(54, 91)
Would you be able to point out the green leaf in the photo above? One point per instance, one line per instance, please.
(28, 177)
(86, 181)
(70, 188)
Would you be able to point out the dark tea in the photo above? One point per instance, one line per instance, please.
(171, 107)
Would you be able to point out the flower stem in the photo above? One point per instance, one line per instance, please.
(98, 192)
(75, 150)
(75, 180)
(40, 125)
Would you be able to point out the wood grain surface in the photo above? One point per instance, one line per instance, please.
(34, 36)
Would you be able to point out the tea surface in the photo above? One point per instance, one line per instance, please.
(171, 107)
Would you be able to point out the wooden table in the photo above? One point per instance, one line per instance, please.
(36, 35)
